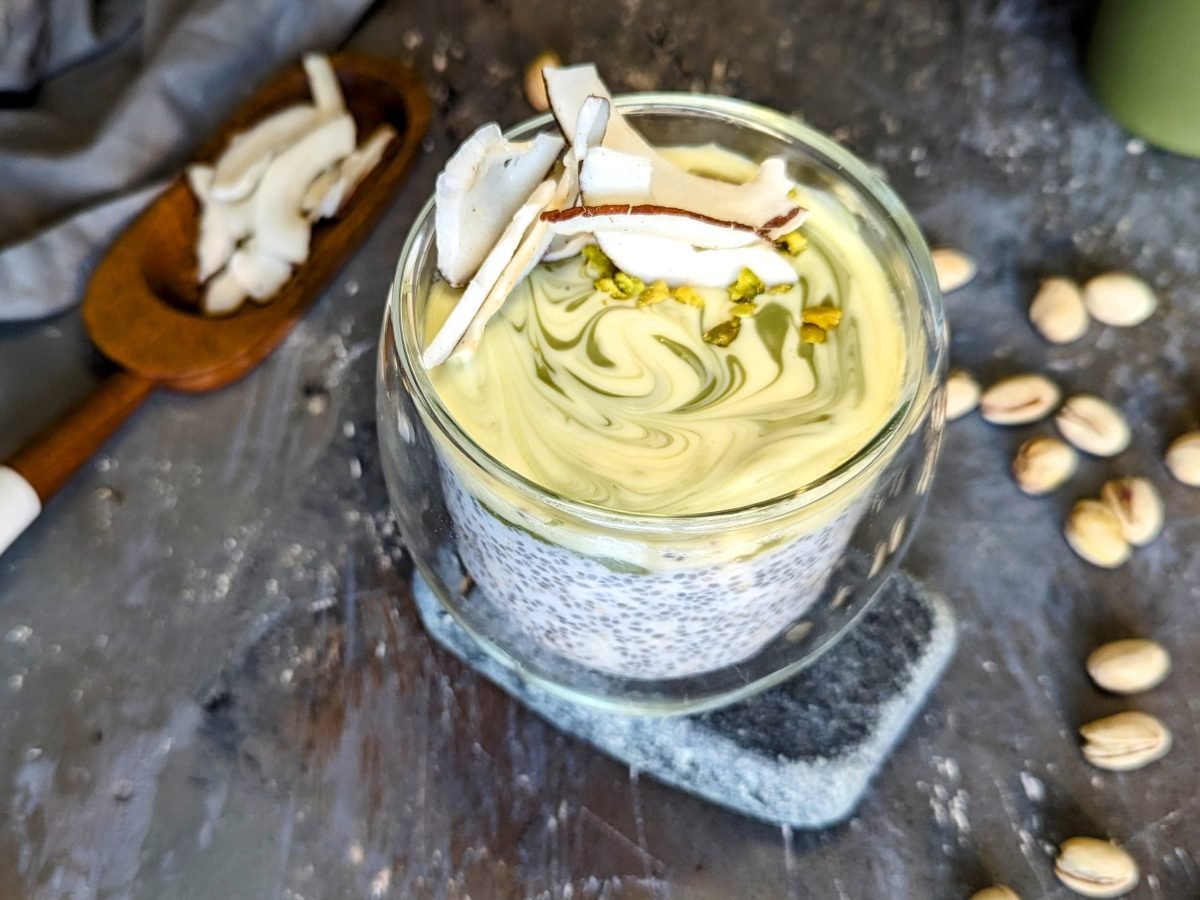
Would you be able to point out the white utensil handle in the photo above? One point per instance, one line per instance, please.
(19, 506)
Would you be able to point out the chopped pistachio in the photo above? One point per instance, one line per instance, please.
(630, 285)
(688, 296)
(656, 292)
(780, 289)
(597, 260)
(812, 334)
(825, 317)
(794, 242)
(744, 309)
(747, 287)
(620, 286)
(724, 334)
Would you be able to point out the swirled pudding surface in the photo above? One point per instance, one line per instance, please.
(628, 408)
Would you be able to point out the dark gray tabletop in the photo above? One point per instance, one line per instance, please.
(212, 684)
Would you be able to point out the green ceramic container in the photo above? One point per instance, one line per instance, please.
(1144, 64)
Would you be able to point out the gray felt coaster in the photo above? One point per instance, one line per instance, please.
(801, 753)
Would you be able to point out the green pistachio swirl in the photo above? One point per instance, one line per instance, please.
(629, 409)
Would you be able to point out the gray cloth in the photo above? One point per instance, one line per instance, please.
(105, 100)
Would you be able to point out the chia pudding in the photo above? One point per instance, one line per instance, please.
(665, 443)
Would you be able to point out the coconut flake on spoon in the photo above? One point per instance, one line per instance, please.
(259, 199)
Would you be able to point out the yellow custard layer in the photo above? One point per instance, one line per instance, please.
(629, 409)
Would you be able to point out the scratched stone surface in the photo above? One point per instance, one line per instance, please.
(212, 684)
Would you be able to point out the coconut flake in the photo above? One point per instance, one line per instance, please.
(562, 247)
(222, 226)
(678, 263)
(323, 85)
(569, 88)
(612, 176)
(590, 126)
(238, 171)
(485, 278)
(279, 224)
(260, 273)
(482, 186)
(529, 252)
(200, 179)
(223, 295)
(653, 221)
(762, 202)
(332, 188)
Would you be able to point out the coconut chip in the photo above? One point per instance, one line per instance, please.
(223, 295)
(483, 184)
(239, 169)
(279, 223)
(531, 250)
(332, 188)
(590, 126)
(323, 85)
(261, 274)
(762, 202)
(653, 221)
(562, 247)
(486, 276)
(679, 263)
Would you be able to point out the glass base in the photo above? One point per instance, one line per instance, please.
(801, 753)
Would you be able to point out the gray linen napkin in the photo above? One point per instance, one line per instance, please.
(102, 101)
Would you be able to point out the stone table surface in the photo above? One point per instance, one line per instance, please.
(213, 685)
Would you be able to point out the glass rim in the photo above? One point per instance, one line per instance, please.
(841, 162)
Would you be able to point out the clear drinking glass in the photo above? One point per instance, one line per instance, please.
(667, 614)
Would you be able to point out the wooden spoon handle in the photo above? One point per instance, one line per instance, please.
(35, 472)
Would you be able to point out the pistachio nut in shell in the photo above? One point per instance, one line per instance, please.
(953, 267)
(1043, 464)
(1138, 507)
(1183, 458)
(1095, 534)
(1058, 312)
(1019, 400)
(1093, 425)
(1129, 666)
(1092, 867)
(996, 892)
(1118, 298)
(962, 394)
(535, 84)
(1126, 741)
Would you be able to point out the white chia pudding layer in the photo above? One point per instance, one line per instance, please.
(626, 620)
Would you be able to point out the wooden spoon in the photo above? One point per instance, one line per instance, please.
(141, 306)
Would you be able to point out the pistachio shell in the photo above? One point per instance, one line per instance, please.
(1095, 868)
(1138, 507)
(1058, 312)
(1093, 425)
(1095, 534)
(1183, 458)
(1125, 742)
(1120, 299)
(1129, 666)
(1019, 400)
(962, 394)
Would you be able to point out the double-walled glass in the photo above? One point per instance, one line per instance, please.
(667, 614)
